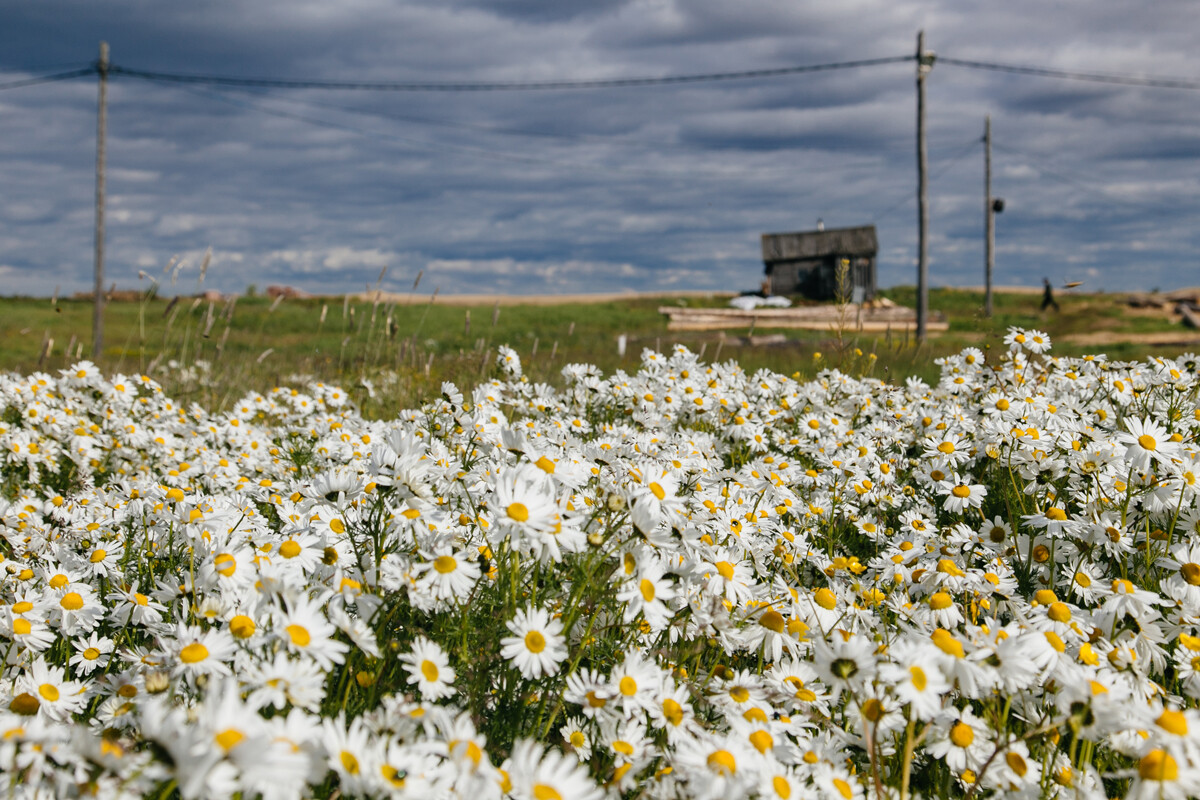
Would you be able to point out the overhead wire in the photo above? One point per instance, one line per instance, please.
(21, 83)
(940, 171)
(501, 86)
(1156, 82)
(1040, 166)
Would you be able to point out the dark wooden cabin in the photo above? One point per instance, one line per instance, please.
(806, 262)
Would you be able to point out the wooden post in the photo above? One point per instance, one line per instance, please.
(989, 260)
(924, 65)
(101, 125)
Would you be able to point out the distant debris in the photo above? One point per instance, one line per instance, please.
(290, 292)
(1181, 303)
(1190, 296)
(748, 302)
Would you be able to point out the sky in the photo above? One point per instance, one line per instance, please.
(652, 188)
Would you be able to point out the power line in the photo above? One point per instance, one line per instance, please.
(1041, 167)
(608, 83)
(1093, 77)
(942, 170)
(57, 76)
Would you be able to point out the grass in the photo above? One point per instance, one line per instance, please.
(407, 350)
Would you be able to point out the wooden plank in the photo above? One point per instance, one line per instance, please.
(812, 325)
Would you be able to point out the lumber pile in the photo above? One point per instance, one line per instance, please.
(1181, 303)
(864, 319)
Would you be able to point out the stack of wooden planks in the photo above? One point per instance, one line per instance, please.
(851, 317)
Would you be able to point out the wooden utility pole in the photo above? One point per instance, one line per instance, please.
(989, 250)
(101, 125)
(924, 65)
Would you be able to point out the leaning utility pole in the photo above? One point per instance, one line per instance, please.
(924, 65)
(989, 250)
(101, 124)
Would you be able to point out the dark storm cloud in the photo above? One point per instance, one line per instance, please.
(654, 187)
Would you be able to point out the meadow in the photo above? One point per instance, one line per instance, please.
(676, 579)
(390, 356)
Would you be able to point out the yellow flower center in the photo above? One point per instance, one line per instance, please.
(1173, 722)
(657, 491)
(535, 641)
(25, 704)
(226, 564)
(961, 491)
(1147, 442)
(193, 653)
(1191, 573)
(826, 599)
(349, 762)
(762, 741)
(722, 762)
(772, 620)
(299, 635)
(48, 691)
(429, 670)
(672, 711)
(445, 564)
(873, 710)
(544, 791)
(242, 626)
(1157, 765)
(961, 734)
(725, 569)
(628, 686)
(647, 589)
(71, 601)
(290, 549)
(918, 678)
(229, 739)
(91, 654)
(518, 512)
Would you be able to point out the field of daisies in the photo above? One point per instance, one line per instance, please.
(685, 582)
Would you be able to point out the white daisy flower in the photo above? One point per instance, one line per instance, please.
(429, 668)
(538, 646)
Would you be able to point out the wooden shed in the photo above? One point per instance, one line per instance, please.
(807, 262)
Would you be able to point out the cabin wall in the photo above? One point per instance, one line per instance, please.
(817, 278)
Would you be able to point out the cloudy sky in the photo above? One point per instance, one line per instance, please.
(656, 187)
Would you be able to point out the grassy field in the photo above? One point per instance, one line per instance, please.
(407, 350)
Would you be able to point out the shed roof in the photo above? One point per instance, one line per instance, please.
(860, 241)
